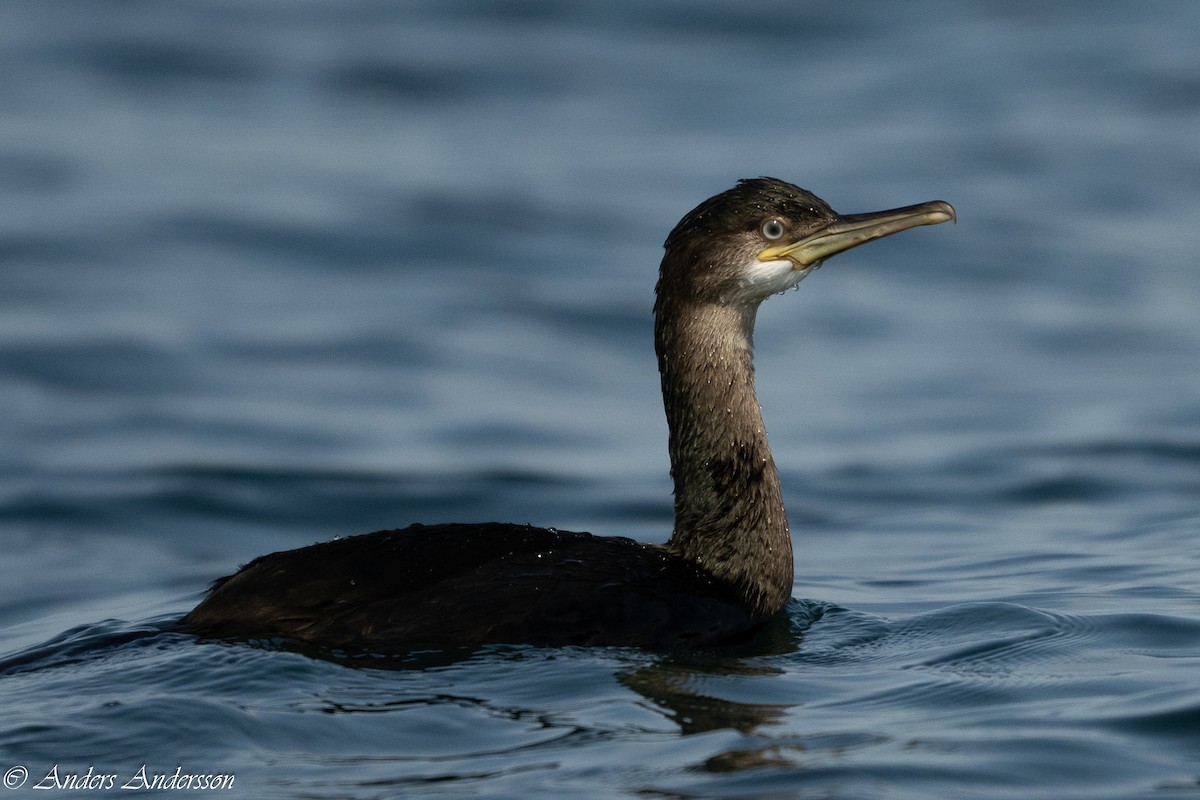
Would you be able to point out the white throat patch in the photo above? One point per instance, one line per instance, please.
(761, 279)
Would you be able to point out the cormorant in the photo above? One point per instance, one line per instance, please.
(727, 567)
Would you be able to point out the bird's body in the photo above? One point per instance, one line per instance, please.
(727, 567)
(454, 584)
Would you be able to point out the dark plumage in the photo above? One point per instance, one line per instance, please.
(727, 568)
(465, 584)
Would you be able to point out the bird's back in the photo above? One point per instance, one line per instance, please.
(474, 584)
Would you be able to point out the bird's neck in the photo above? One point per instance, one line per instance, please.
(729, 514)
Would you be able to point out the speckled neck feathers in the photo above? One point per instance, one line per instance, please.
(729, 514)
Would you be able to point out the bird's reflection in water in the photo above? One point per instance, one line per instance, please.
(687, 686)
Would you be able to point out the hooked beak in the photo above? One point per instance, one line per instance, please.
(851, 230)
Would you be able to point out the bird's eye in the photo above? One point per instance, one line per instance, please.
(772, 229)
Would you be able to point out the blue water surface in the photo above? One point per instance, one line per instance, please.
(273, 272)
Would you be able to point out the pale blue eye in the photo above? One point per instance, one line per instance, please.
(772, 229)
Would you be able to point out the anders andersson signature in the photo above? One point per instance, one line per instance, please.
(140, 779)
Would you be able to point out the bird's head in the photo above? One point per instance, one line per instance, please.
(764, 236)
